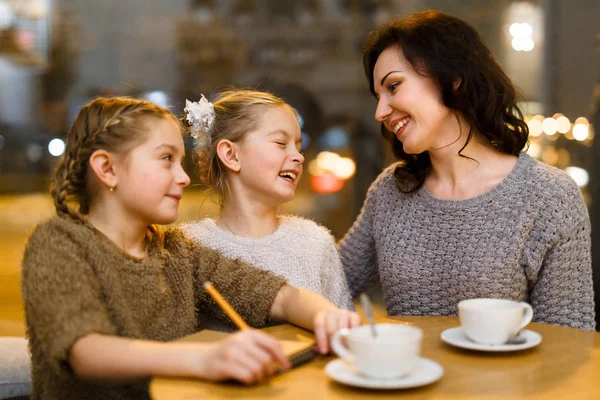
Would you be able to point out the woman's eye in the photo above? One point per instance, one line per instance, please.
(280, 143)
(393, 86)
(168, 157)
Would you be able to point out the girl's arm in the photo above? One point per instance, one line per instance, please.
(248, 356)
(312, 311)
(259, 295)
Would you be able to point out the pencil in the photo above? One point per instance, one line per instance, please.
(225, 306)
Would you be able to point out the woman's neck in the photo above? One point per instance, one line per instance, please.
(477, 169)
(247, 219)
(126, 234)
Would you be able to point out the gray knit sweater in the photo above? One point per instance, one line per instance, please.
(527, 239)
(299, 250)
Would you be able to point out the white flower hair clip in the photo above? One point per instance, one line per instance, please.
(201, 117)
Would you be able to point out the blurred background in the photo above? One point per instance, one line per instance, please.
(56, 55)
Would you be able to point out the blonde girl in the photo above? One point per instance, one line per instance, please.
(250, 143)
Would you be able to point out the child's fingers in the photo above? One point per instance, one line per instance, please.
(247, 359)
(321, 333)
(266, 360)
(334, 322)
(273, 347)
(339, 319)
(240, 373)
(354, 320)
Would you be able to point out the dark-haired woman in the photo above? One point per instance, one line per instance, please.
(465, 212)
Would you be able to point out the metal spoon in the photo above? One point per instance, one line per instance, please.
(365, 302)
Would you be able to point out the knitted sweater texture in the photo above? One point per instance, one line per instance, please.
(76, 281)
(299, 249)
(528, 239)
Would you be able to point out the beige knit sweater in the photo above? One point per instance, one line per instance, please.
(75, 281)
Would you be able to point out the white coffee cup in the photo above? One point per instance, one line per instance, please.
(392, 354)
(493, 321)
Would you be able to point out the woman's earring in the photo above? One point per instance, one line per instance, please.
(112, 189)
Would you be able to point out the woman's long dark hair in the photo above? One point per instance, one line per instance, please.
(449, 50)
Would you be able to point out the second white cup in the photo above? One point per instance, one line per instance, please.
(394, 353)
(493, 321)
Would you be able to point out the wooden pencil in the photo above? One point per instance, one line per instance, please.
(225, 306)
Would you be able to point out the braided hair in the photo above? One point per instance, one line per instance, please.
(111, 124)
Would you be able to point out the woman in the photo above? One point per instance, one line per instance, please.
(465, 213)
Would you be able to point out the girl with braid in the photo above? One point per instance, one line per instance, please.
(106, 288)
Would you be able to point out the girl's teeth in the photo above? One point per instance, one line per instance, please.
(291, 176)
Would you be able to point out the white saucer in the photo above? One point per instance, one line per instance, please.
(456, 337)
(427, 371)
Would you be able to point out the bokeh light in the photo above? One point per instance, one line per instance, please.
(579, 175)
(56, 147)
(549, 126)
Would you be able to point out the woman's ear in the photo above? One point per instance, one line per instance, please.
(102, 164)
(227, 153)
(457, 82)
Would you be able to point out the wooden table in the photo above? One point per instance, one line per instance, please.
(566, 365)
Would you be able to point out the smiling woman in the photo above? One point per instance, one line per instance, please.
(465, 212)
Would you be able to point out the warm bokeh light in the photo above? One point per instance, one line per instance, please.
(534, 150)
(326, 183)
(520, 29)
(522, 44)
(535, 127)
(550, 156)
(564, 158)
(549, 126)
(521, 33)
(563, 125)
(344, 168)
(581, 132)
(331, 163)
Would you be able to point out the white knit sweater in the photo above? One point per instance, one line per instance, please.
(299, 250)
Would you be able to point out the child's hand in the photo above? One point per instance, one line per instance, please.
(328, 322)
(249, 356)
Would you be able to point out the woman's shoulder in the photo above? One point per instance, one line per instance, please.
(387, 177)
(551, 182)
(384, 187)
(554, 191)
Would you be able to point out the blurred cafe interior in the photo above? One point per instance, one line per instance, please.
(56, 55)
